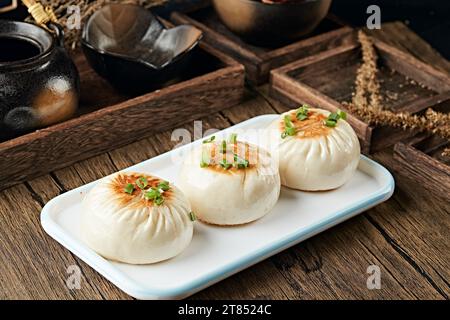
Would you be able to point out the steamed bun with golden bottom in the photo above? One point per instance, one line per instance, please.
(136, 218)
(230, 182)
(317, 150)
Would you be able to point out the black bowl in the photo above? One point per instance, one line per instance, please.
(271, 24)
(131, 48)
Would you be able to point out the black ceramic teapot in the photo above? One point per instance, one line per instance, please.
(38, 81)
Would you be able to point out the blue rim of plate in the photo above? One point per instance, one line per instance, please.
(132, 288)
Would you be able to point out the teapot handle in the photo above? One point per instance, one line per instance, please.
(58, 32)
(46, 18)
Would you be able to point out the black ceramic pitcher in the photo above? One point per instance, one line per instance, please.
(38, 81)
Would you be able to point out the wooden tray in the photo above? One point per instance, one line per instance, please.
(259, 61)
(107, 119)
(327, 79)
(420, 158)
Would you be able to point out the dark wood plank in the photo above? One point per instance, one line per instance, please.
(255, 106)
(400, 36)
(421, 158)
(34, 265)
(416, 224)
(430, 173)
(262, 281)
(333, 265)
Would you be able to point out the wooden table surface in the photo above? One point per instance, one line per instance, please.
(407, 236)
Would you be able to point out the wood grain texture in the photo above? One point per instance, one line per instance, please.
(33, 265)
(407, 237)
(420, 157)
(400, 36)
(115, 125)
(431, 173)
(416, 224)
(408, 83)
(259, 61)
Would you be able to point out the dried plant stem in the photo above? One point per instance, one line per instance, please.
(367, 93)
(367, 101)
(87, 7)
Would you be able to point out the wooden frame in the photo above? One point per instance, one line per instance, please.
(327, 77)
(259, 61)
(118, 120)
(420, 158)
(423, 169)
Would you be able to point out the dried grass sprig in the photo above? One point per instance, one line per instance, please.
(87, 7)
(367, 101)
(367, 94)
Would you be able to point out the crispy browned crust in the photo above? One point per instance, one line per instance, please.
(119, 182)
(242, 149)
(309, 128)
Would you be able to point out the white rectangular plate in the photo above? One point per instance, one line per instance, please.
(216, 252)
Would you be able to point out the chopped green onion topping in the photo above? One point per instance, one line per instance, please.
(204, 162)
(333, 118)
(240, 163)
(342, 114)
(192, 216)
(302, 112)
(164, 185)
(142, 183)
(288, 122)
(209, 140)
(233, 138)
(223, 147)
(330, 123)
(129, 188)
(237, 163)
(289, 129)
(154, 195)
(225, 164)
